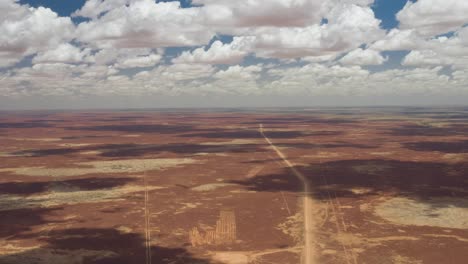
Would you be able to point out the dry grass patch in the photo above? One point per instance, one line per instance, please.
(33, 139)
(211, 187)
(455, 157)
(71, 145)
(293, 227)
(233, 142)
(60, 195)
(445, 212)
(113, 166)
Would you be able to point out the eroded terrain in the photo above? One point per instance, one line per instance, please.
(385, 185)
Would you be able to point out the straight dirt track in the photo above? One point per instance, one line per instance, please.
(309, 254)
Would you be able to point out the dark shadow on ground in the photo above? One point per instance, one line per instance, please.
(447, 147)
(422, 180)
(421, 130)
(88, 184)
(99, 246)
(301, 120)
(20, 214)
(17, 222)
(29, 124)
(324, 145)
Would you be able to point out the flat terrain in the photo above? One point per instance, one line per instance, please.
(353, 185)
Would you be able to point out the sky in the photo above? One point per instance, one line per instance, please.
(224, 53)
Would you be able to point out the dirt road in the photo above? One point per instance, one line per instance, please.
(309, 254)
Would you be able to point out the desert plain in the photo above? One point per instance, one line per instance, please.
(237, 186)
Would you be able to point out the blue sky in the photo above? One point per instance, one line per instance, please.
(229, 53)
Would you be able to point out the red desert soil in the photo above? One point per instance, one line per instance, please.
(367, 185)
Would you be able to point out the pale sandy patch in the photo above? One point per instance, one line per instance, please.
(381, 153)
(455, 157)
(293, 227)
(75, 145)
(13, 154)
(323, 154)
(446, 212)
(113, 166)
(233, 142)
(211, 186)
(131, 135)
(93, 152)
(231, 257)
(64, 195)
(211, 154)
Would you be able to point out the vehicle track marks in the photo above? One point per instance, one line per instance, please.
(309, 252)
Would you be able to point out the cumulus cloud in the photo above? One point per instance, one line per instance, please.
(433, 17)
(26, 30)
(309, 47)
(140, 61)
(127, 57)
(146, 24)
(348, 27)
(218, 53)
(363, 57)
(65, 53)
(451, 51)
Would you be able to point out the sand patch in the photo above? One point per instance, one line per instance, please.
(293, 227)
(211, 187)
(61, 195)
(231, 257)
(455, 157)
(93, 152)
(13, 154)
(232, 142)
(210, 154)
(361, 190)
(323, 154)
(382, 153)
(71, 145)
(445, 212)
(131, 135)
(397, 259)
(113, 166)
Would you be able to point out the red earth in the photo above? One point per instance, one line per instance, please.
(388, 185)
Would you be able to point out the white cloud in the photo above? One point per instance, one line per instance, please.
(218, 53)
(146, 24)
(425, 57)
(65, 53)
(270, 13)
(127, 57)
(363, 57)
(90, 58)
(349, 27)
(433, 17)
(95, 8)
(139, 61)
(399, 40)
(26, 30)
(451, 51)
